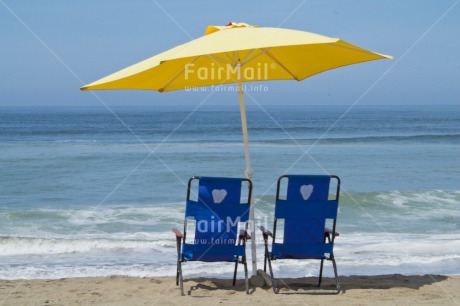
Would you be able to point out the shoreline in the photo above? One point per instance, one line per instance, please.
(121, 290)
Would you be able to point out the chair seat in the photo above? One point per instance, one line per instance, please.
(210, 253)
(301, 251)
(286, 255)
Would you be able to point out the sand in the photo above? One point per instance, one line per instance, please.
(118, 290)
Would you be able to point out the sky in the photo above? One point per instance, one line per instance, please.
(50, 48)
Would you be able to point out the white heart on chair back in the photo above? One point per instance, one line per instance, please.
(218, 195)
(306, 191)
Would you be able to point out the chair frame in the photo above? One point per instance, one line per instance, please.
(243, 236)
(329, 235)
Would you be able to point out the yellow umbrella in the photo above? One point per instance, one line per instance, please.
(238, 53)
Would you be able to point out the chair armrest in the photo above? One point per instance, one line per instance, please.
(244, 234)
(178, 233)
(329, 231)
(265, 231)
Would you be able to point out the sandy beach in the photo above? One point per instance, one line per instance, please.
(118, 290)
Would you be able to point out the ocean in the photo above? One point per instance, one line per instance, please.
(85, 192)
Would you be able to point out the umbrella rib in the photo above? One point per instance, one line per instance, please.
(249, 54)
(230, 58)
(218, 59)
(262, 51)
(360, 50)
(178, 74)
(281, 65)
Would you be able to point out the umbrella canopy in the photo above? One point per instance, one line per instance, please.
(263, 53)
(238, 53)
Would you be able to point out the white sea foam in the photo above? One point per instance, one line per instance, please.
(150, 215)
(356, 254)
(41, 271)
(438, 197)
(39, 246)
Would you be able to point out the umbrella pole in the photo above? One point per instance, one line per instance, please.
(248, 171)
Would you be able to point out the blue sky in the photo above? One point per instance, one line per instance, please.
(49, 48)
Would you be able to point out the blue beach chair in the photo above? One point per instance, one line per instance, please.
(305, 210)
(216, 215)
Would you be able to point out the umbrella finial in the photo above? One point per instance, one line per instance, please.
(231, 25)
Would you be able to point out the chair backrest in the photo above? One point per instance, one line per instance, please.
(216, 213)
(305, 211)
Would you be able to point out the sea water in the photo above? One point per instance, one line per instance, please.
(93, 192)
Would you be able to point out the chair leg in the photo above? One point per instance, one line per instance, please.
(246, 280)
(181, 281)
(337, 284)
(179, 266)
(177, 274)
(320, 273)
(266, 252)
(234, 273)
(265, 263)
(267, 258)
(274, 286)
